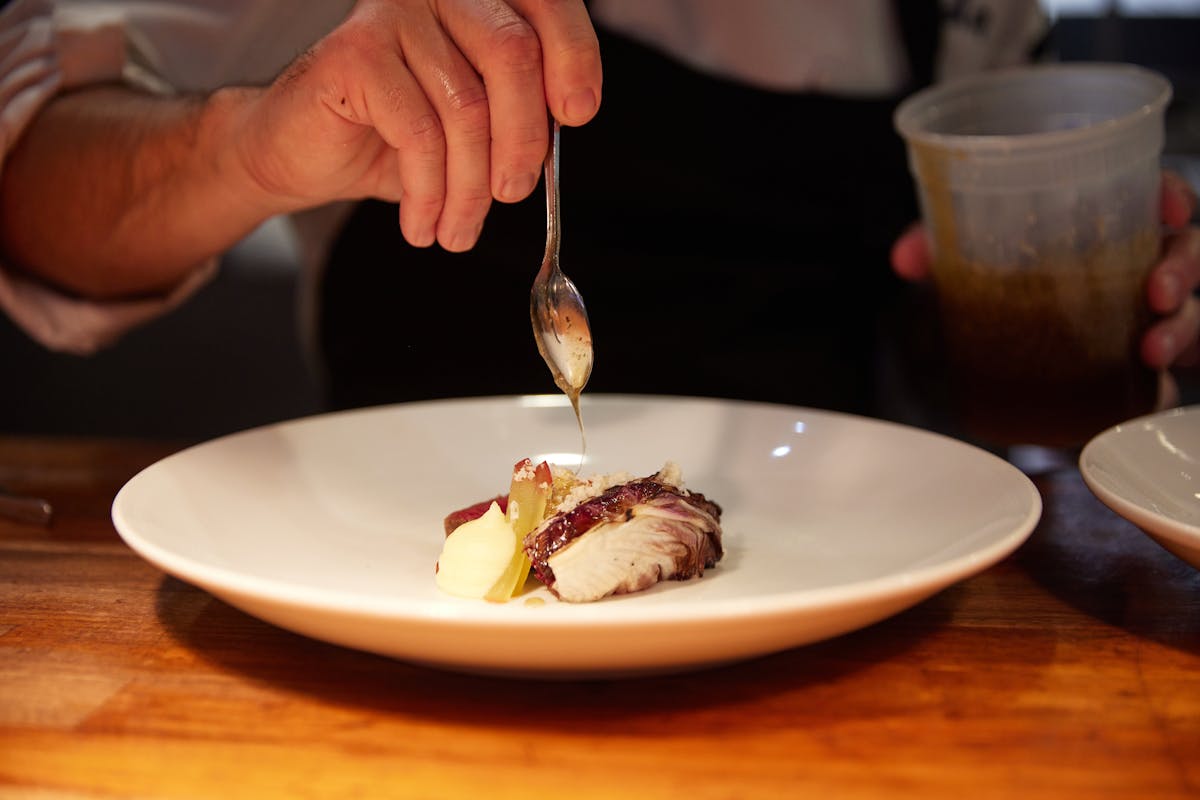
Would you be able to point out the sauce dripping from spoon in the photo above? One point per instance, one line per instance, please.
(560, 320)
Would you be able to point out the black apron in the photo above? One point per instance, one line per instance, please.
(728, 242)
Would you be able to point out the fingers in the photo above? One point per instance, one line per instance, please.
(532, 54)
(410, 124)
(464, 109)
(571, 57)
(1173, 341)
(1171, 293)
(1178, 200)
(488, 70)
(1177, 274)
(372, 86)
(911, 257)
(458, 89)
(505, 50)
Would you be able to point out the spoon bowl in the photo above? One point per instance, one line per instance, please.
(560, 321)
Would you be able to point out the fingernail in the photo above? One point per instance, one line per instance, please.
(580, 105)
(517, 187)
(423, 238)
(463, 240)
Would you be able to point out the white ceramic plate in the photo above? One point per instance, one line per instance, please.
(330, 526)
(1148, 471)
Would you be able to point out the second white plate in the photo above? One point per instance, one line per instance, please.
(1148, 471)
(330, 527)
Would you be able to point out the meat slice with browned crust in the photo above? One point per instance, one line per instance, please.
(627, 538)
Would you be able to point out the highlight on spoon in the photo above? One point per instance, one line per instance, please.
(571, 353)
(567, 323)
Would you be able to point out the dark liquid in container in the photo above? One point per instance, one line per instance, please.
(1050, 412)
(1048, 356)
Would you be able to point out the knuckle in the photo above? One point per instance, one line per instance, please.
(470, 115)
(425, 131)
(353, 49)
(516, 45)
(528, 139)
(467, 114)
(469, 100)
(520, 148)
(299, 67)
(473, 202)
(423, 203)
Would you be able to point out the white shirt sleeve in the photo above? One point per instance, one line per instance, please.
(185, 45)
(988, 34)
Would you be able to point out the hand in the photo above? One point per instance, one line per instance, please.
(440, 106)
(1174, 340)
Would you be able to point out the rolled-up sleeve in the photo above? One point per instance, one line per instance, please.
(44, 50)
(183, 45)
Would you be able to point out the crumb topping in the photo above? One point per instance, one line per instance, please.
(570, 490)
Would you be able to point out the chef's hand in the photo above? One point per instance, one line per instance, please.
(1174, 340)
(440, 106)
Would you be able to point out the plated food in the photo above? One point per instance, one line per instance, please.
(584, 539)
(328, 527)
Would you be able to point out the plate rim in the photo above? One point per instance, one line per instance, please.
(1153, 522)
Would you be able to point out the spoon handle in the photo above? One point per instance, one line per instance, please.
(552, 209)
(32, 510)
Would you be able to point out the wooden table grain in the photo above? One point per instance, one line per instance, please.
(1071, 669)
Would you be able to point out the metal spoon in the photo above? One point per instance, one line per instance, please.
(19, 508)
(560, 322)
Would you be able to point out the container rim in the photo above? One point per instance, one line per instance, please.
(911, 108)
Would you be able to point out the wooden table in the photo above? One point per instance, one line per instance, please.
(1072, 669)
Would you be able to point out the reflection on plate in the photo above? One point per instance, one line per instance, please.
(330, 527)
(1148, 471)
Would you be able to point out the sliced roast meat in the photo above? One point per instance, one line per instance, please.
(626, 539)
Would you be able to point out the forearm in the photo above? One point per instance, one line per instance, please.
(113, 193)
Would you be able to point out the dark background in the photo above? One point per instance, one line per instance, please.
(232, 357)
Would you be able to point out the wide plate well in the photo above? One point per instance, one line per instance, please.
(330, 526)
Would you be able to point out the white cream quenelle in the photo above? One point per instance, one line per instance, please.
(476, 555)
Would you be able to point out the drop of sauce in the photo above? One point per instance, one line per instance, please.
(570, 360)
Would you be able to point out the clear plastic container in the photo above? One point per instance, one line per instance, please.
(1039, 188)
